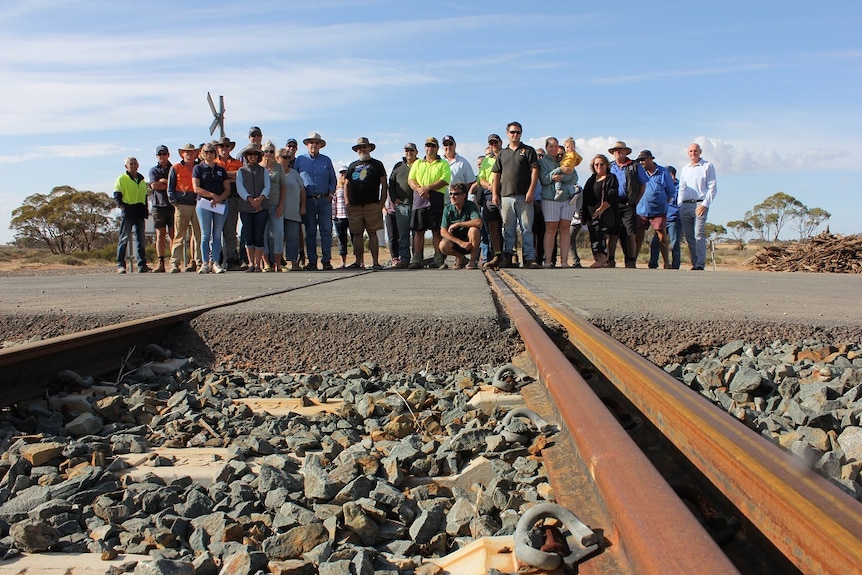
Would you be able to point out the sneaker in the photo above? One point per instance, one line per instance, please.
(217, 268)
(327, 267)
(121, 270)
(144, 269)
(205, 269)
(311, 267)
(174, 269)
(402, 265)
(531, 264)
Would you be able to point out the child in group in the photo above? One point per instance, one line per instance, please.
(339, 215)
(566, 187)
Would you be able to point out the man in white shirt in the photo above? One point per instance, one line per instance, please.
(696, 193)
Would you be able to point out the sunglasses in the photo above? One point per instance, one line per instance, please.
(514, 131)
(284, 157)
(269, 151)
(453, 194)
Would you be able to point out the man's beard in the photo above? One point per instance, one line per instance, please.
(364, 156)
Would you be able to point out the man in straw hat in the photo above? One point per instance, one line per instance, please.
(365, 195)
(318, 176)
(632, 179)
(181, 193)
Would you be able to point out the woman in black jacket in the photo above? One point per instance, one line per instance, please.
(601, 207)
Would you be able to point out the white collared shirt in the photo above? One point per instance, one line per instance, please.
(697, 182)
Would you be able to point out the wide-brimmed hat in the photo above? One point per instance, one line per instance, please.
(188, 148)
(364, 142)
(314, 136)
(620, 145)
(252, 149)
(644, 155)
(225, 141)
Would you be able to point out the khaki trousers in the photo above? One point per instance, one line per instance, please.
(184, 217)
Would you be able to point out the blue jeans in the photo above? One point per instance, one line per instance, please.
(126, 226)
(694, 229)
(673, 239)
(212, 225)
(402, 223)
(291, 240)
(318, 216)
(273, 238)
(516, 211)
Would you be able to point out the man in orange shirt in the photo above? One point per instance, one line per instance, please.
(181, 193)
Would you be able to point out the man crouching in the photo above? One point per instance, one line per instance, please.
(460, 230)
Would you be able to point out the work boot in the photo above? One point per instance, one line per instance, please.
(192, 267)
(161, 267)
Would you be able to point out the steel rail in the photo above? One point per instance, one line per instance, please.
(814, 524)
(652, 527)
(25, 370)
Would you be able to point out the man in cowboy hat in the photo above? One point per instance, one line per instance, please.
(230, 245)
(181, 193)
(365, 195)
(163, 211)
(632, 179)
(318, 176)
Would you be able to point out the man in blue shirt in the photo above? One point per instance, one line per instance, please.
(318, 176)
(632, 179)
(652, 208)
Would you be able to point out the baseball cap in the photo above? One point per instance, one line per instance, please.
(432, 140)
(448, 140)
(493, 137)
(255, 130)
(162, 150)
(410, 146)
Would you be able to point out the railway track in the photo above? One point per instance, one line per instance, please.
(641, 490)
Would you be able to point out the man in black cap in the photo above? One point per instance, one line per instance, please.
(401, 197)
(163, 211)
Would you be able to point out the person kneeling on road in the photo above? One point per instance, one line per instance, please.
(460, 229)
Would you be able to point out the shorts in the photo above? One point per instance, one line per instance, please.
(364, 217)
(422, 219)
(657, 223)
(163, 217)
(461, 234)
(554, 211)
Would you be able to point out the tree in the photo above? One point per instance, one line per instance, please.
(739, 230)
(65, 220)
(755, 220)
(714, 231)
(808, 220)
(775, 211)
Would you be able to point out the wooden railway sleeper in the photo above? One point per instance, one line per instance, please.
(580, 542)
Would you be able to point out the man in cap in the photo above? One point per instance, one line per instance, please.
(230, 245)
(632, 179)
(516, 174)
(697, 190)
(652, 208)
(290, 147)
(181, 193)
(428, 179)
(460, 168)
(673, 232)
(130, 193)
(365, 195)
(318, 176)
(485, 200)
(401, 197)
(163, 211)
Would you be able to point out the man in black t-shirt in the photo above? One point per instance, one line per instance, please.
(365, 195)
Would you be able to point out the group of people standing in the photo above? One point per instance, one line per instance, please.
(274, 193)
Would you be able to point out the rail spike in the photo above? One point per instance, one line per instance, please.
(582, 541)
(518, 375)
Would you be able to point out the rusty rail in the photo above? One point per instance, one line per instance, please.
(651, 526)
(813, 523)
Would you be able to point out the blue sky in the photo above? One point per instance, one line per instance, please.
(770, 89)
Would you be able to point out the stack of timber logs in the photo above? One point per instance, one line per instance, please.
(824, 253)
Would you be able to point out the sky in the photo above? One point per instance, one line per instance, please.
(770, 89)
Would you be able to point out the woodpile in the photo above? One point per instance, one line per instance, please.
(824, 253)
